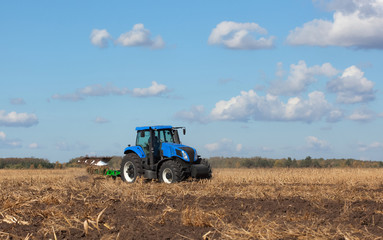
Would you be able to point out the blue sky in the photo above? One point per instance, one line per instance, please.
(272, 78)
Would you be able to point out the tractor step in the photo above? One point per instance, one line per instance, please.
(149, 174)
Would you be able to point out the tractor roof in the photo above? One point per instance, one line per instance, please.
(153, 127)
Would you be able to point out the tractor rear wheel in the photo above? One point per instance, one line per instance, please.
(171, 172)
(131, 168)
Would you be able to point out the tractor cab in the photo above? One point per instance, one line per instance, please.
(152, 138)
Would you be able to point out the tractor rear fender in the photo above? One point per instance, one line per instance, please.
(135, 149)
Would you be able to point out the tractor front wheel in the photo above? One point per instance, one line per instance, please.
(130, 168)
(170, 172)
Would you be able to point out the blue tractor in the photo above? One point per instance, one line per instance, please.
(159, 154)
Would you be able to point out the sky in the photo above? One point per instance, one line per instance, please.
(273, 79)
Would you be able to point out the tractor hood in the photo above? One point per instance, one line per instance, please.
(184, 152)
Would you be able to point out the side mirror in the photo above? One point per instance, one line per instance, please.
(184, 131)
(142, 134)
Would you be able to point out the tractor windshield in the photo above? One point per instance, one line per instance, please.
(166, 135)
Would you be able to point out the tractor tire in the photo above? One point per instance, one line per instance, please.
(131, 168)
(171, 172)
(206, 163)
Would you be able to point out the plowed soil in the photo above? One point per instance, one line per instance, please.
(235, 204)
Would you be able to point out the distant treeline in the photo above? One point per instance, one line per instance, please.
(216, 162)
(308, 162)
(18, 163)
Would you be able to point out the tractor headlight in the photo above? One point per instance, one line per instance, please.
(185, 155)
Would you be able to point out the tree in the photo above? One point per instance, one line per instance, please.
(307, 162)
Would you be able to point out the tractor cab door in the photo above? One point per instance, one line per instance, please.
(150, 143)
(143, 141)
(156, 143)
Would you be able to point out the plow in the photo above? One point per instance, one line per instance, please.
(99, 166)
(158, 154)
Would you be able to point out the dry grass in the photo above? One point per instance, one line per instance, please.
(235, 204)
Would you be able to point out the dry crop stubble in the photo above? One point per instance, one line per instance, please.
(235, 204)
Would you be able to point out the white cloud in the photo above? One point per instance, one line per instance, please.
(195, 114)
(223, 147)
(98, 90)
(101, 120)
(362, 115)
(300, 77)
(234, 35)
(17, 101)
(266, 149)
(154, 90)
(249, 105)
(8, 143)
(2, 136)
(314, 143)
(280, 72)
(352, 87)
(73, 97)
(372, 146)
(33, 146)
(238, 147)
(139, 36)
(355, 24)
(100, 38)
(14, 119)
(91, 90)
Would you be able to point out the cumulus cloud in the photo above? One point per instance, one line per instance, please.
(234, 35)
(362, 115)
(17, 101)
(300, 77)
(141, 37)
(249, 105)
(100, 38)
(314, 143)
(154, 90)
(8, 143)
(352, 86)
(223, 147)
(101, 120)
(14, 119)
(355, 23)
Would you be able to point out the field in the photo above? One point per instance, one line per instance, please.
(235, 204)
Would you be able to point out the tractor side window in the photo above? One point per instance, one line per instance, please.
(143, 140)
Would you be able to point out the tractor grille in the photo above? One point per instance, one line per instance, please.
(190, 153)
